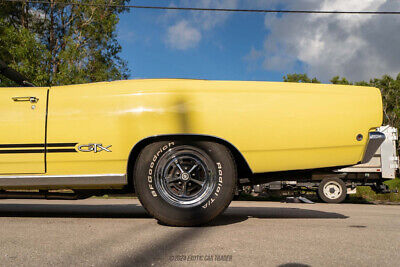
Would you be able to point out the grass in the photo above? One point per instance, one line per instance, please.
(366, 195)
(394, 184)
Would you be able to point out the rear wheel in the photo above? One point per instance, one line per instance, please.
(332, 190)
(185, 183)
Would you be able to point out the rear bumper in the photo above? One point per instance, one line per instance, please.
(374, 142)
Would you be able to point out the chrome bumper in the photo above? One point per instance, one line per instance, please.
(374, 142)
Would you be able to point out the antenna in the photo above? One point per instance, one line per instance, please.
(14, 75)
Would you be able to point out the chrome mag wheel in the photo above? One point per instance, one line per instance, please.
(185, 176)
(185, 182)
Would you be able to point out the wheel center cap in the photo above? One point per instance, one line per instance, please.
(185, 176)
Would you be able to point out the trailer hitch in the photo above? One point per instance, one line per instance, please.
(383, 189)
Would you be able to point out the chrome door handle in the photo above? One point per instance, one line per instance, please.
(31, 99)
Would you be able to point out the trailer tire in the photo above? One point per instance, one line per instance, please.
(332, 190)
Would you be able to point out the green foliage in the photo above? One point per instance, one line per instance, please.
(365, 194)
(390, 89)
(58, 45)
(23, 52)
(394, 184)
(337, 80)
(299, 78)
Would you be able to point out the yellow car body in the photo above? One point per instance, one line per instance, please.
(92, 130)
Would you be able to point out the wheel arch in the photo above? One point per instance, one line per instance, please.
(243, 168)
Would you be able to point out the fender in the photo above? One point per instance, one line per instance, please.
(244, 169)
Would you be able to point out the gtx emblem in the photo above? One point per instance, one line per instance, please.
(94, 148)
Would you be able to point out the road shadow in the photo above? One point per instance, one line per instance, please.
(73, 211)
(230, 216)
(239, 214)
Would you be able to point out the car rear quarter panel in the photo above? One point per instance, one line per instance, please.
(276, 126)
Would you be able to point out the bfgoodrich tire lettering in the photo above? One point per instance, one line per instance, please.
(184, 183)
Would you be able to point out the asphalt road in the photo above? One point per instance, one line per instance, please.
(118, 232)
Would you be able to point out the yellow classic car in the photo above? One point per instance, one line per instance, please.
(183, 146)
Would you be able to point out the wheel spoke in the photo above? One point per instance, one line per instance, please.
(171, 178)
(182, 192)
(192, 169)
(179, 166)
(184, 177)
(201, 183)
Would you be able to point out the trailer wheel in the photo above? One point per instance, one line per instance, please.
(332, 190)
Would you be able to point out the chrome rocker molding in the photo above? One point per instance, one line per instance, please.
(375, 140)
(64, 181)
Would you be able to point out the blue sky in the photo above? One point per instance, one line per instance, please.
(220, 55)
(243, 46)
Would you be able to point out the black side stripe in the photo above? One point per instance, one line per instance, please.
(62, 150)
(32, 151)
(21, 151)
(38, 145)
(61, 144)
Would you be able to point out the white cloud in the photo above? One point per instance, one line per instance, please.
(210, 20)
(182, 35)
(196, 23)
(356, 46)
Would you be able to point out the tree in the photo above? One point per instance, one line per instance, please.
(21, 51)
(390, 89)
(55, 44)
(337, 80)
(299, 78)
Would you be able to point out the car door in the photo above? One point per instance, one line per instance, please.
(22, 130)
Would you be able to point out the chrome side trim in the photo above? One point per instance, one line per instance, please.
(64, 181)
(374, 142)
